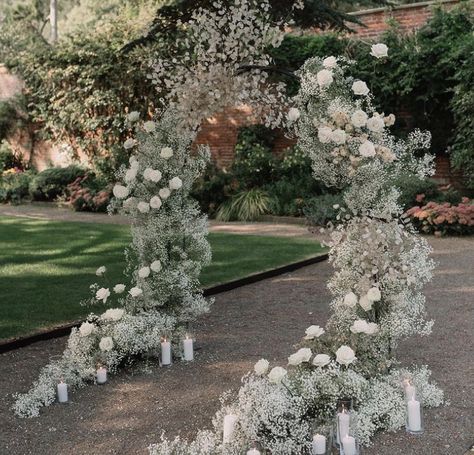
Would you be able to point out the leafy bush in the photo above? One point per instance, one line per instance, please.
(245, 206)
(445, 218)
(8, 160)
(88, 194)
(411, 186)
(51, 183)
(14, 185)
(7, 118)
(321, 210)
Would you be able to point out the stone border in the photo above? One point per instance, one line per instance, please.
(60, 331)
(401, 7)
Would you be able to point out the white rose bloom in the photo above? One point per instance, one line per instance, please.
(129, 203)
(119, 288)
(133, 116)
(276, 375)
(367, 149)
(155, 176)
(120, 191)
(389, 120)
(144, 272)
(359, 118)
(101, 271)
(324, 134)
(135, 292)
(166, 152)
(175, 183)
(324, 78)
(134, 164)
(261, 367)
(350, 300)
(376, 124)
(149, 126)
(338, 136)
(372, 328)
(360, 88)
(314, 331)
(321, 360)
(164, 193)
(379, 50)
(113, 314)
(330, 62)
(155, 266)
(155, 202)
(365, 303)
(374, 294)
(106, 344)
(102, 294)
(293, 114)
(143, 207)
(360, 326)
(86, 329)
(131, 174)
(147, 172)
(345, 355)
(129, 143)
(303, 355)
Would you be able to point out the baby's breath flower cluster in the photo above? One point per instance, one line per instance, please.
(168, 250)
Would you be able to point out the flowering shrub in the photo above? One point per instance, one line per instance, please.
(444, 218)
(82, 196)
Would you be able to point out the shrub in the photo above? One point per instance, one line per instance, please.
(88, 194)
(51, 183)
(14, 185)
(411, 186)
(8, 160)
(321, 210)
(445, 218)
(245, 206)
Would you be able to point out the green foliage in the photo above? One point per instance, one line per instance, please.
(411, 186)
(245, 206)
(51, 183)
(14, 186)
(88, 193)
(7, 119)
(323, 209)
(8, 160)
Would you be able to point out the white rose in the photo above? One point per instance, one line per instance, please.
(129, 203)
(367, 149)
(155, 266)
(303, 355)
(350, 300)
(324, 134)
(164, 193)
(330, 62)
(359, 118)
(360, 326)
(131, 174)
(155, 202)
(175, 183)
(119, 288)
(360, 88)
(261, 367)
(376, 124)
(365, 303)
(374, 294)
(372, 328)
(101, 271)
(144, 272)
(389, 120)
(135, 292)
(338, 136)
(143, 207)
(152, 175)
(133, 116)
(129, 143)
(379, 50)
(120, 191)
(106, 344)
(345, 355)
(149, 126)
(102, 294)
(276, 375)
(314, 331)
(321, 360)
(113, 314)
(324, 78)
(86, 329)
(134, 164)
(293, 114)
(166, 152)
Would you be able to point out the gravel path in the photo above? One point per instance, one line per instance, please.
(261, 320)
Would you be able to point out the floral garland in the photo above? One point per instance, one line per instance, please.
(168, 250)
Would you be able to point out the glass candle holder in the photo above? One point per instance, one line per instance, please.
(188, 347)
(414, 416)
(255, 449)
(342, 420)
(321, 443)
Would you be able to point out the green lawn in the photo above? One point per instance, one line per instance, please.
(46, 267)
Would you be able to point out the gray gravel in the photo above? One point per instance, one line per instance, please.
(261, 320)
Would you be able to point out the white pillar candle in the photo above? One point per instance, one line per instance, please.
(343, 420)
(165, 352)
(62, 392)
(253, 452)
(414, 415)
(188, 349)
(319, 444)
(410, 392)
(229, 426)
(101, 375)
(349, 446)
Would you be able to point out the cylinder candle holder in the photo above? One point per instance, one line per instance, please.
(414, 420)
(188, 348)
(342, 421)
(165, 351)
(255, 449)
(321, 443)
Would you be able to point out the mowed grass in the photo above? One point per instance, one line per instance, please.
(46, 267)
